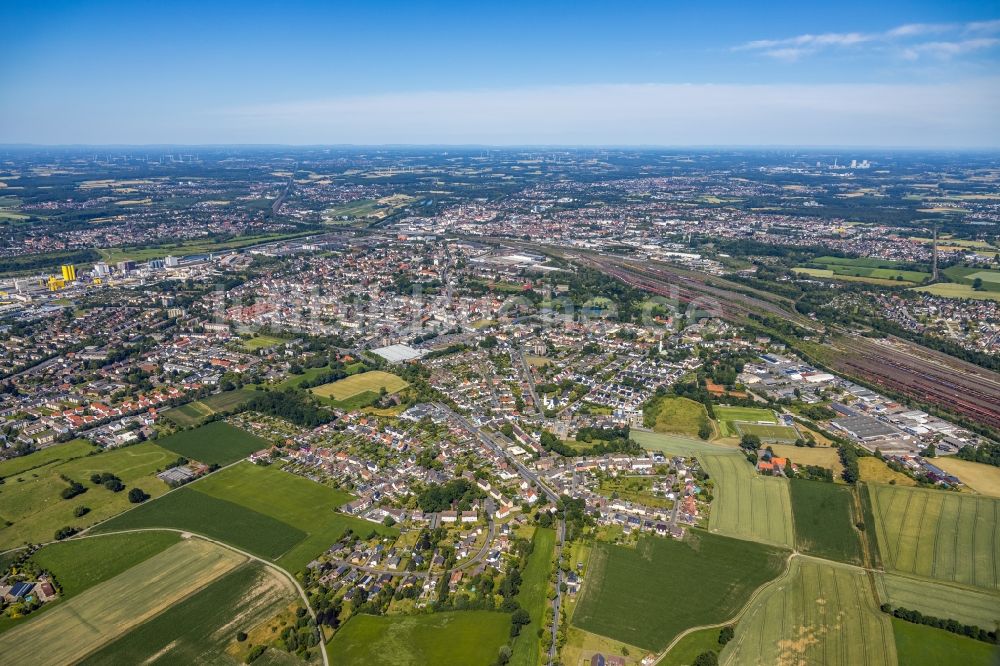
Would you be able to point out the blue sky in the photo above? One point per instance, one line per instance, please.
(674, 72)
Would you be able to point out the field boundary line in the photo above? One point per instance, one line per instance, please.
(736, 618)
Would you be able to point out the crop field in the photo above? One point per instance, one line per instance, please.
(111, 609)
(979, 477)
(348, 387)
(824, 521)
(470, 638)
(189, 509)
(920, 645)
(676, 415)
(966, 276)
(820, 613)
(533, 598)
(946, 536)
(748, 505)
(32, 500)
(202, 628)
(945, 600)
(647, 595)
(830, 274)
(873, 470)
(676, 445)
(216, 442)
(193, 413)
(768, 433)
(50, 455)
(956, 290)
(273, 514)
(749, 414)
(303, 504)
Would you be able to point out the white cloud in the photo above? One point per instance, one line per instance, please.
(900, 39)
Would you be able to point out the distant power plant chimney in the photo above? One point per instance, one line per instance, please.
(934, 275)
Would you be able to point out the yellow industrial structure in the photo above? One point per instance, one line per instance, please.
(56, 283)
(69, 272)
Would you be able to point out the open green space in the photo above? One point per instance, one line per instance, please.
(676, 445)
(633, 489)
(692, 645)
(824, 524)
(748, 414)
(648, 594)
(920, 645)
(966, 275)
(200, 628)
(306, 505)
(193, 413)
(32, 503)
(82, 563)
(973, 606)
(215, 443)
(111, 609)
(373, 381)
(50, 455)
(956, 290)
(189, 509)
(262, 342)
(819, 613)
(748, 505)
(833, 275)
(768, 433)
(470, 638)
(532, 595)
(675, 415)
(936, 534)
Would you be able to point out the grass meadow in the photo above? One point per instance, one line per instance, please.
(532, 595)
(648, 594)
(50, 455)
(820, 613)
(824, 521)
(919, 645)
(947, 536)
(681, 416)
(214, 443)
(193, 413)
(470, 638)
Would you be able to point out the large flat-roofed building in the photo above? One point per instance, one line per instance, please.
(398, 353)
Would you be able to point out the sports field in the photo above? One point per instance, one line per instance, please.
(977, 607)
(470, 638)
(32, 500)
(348, 387)
(202, 628)
(820, 613)
(748, 505)
(979, 477)
(943, 535)
(824, 521)
(919, 645)
(214, 443)
(749, 414)
(646, 595)
(111, 609)
(533, 598)
(768, 433)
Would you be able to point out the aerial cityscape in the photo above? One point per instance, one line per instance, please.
(549, 359)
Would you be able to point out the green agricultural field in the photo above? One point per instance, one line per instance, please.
(966, 276)
(692, 645)
(215, 443)
(50, 455)
(769, 433)
(647, 595)
(373, 381)
(188, 414)
(305, 505)
(748, 414)
(956, 290)
(920, 645)
(945, 600)
(32, 503)
(819, 613)
(947, 536)
(533, 597)
(111, 609)
(82, 563)
(748, 505)
(675, 445)
(675, 415)
(832, 275)
(202, 628)
(470, 638)
(189, 509)
(824, 521)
